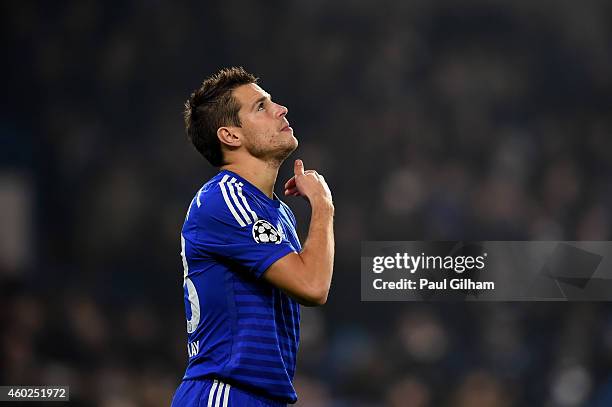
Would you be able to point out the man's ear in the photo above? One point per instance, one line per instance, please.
(229, 136)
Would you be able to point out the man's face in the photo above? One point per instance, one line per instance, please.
(266, 131)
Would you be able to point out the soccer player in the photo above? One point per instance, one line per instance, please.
(245, 272)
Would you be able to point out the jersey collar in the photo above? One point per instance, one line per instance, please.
(275, 201)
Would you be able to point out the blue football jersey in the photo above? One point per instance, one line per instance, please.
(241, 329)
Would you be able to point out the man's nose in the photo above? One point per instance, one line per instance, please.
(282, 110)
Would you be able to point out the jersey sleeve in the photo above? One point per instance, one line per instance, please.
(231, 228)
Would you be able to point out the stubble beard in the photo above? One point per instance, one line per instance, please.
(274, 156)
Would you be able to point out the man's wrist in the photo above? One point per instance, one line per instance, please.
(322, 202)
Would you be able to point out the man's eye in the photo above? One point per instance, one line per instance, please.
(260, 106)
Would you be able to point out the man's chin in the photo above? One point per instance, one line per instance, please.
(278, 154)
(285, 151)
(284, 154)
(294, 145)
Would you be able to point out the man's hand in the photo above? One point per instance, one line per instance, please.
(306, 276)
(308, 184)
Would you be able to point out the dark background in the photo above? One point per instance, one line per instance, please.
(471, 120)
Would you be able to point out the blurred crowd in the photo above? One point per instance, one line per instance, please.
(472, 120)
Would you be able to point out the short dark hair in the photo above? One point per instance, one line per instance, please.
(212, 106)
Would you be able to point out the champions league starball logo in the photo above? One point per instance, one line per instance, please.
(264, 232)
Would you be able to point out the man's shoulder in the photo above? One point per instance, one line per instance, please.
(285, 206)
(288, 213)
(208, 197)
(224, 198)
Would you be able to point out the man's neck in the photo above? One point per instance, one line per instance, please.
(259, 173)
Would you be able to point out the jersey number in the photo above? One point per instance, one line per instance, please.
(192, 302)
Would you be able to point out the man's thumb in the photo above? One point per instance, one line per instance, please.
(298, 167)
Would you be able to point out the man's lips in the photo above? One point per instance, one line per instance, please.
(286, 128)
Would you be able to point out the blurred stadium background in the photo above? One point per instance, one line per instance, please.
(482, 120)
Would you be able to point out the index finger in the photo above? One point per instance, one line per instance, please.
(290, 182)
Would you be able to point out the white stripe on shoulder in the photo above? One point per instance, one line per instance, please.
(228, 202)
(212, 393)
(189, 209)
(198, 197)
(226, 398)
(230, 186)
(218, 398)
(246, 204)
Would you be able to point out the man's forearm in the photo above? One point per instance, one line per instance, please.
(318, 251)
